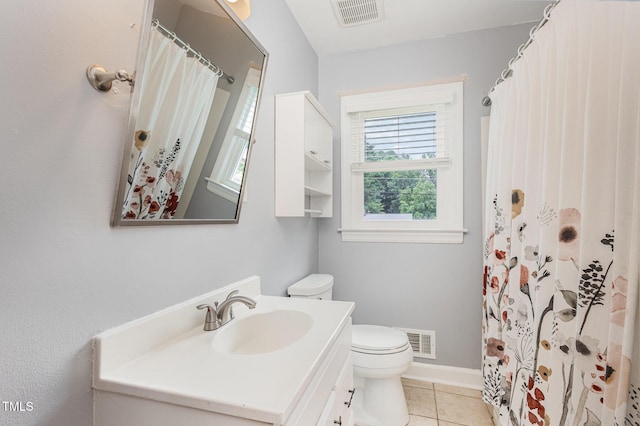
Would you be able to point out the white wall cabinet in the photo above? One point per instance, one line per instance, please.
(303, 157)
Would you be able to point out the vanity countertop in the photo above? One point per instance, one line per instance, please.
(187, 370)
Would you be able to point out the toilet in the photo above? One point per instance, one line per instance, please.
(380, 356)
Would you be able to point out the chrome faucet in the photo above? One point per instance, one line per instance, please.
(220, 314)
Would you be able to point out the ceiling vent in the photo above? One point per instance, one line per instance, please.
(357, 12)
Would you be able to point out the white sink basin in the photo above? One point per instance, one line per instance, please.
(262, 332)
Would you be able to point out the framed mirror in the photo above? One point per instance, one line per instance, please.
(193, 111)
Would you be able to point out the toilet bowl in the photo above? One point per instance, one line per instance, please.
(380, 356)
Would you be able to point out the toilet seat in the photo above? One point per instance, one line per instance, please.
(378, 340)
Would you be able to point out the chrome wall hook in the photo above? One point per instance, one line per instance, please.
(100, 79)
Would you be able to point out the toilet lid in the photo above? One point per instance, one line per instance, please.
(311, 285)
(376, 338)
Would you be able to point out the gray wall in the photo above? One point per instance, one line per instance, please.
(423, 286)
(65, 274)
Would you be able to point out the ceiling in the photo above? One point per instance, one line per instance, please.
(408, 20)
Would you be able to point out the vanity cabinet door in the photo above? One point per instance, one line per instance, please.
(329, 414)
(344, 391)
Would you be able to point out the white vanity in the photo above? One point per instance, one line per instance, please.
(286, 362)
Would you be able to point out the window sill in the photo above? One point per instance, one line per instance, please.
(428, 236)
(222, 190)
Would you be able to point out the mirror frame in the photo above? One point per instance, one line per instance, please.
(143, 42)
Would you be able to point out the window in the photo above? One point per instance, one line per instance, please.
(402, 165)
(226, 177)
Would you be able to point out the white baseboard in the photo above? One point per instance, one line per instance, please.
(456, 376)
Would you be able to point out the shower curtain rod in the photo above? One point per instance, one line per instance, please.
(506, 73)
(177, 40)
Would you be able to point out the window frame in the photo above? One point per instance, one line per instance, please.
(448, 226)
(221, 179)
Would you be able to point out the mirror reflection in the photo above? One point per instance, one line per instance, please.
(195, 104)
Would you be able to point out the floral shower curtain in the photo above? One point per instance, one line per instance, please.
(176, 97)
(561, 329)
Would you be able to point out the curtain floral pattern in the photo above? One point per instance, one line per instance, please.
(176, 97)
(561, 331)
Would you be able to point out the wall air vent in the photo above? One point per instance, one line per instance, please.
(357, 12)
(423, 342)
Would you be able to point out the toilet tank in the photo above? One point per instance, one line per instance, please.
(314, 286)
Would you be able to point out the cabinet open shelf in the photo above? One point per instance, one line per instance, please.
(315, 192)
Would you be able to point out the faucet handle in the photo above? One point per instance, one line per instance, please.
(211, 320)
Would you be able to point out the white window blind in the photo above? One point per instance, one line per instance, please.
(407, 136)
(402, 138)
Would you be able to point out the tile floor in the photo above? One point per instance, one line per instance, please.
(433, 404)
